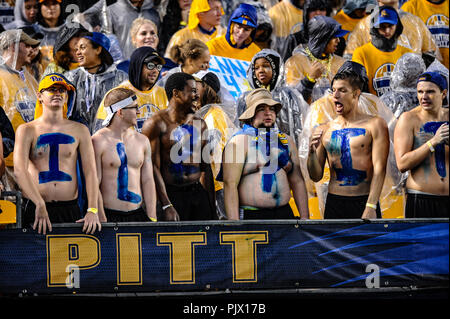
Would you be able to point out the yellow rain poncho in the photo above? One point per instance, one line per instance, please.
(415, 35)
(193, 30)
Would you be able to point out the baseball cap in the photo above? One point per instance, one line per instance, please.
(113, 108)
(256, 98)
(340, 33)
(435, 78)
(103, 41)
(10, 36)
(153, 55)
(244, 15)
(386, 15)
(48, 81)
(53, 79)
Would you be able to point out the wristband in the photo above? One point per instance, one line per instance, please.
(371, 205)
(153, 219)
(92, 210)
(430, 146)
(310, 79)
(166, 206)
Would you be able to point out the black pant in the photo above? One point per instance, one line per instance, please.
(58, 211)
(426, 206)
(282, 212)
(117, 216)
(191, 202)
(346, 207)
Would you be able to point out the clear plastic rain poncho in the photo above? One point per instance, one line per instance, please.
(321, 30)
(322, 111)
(403, 94)
(91, 88)
(118, 18)
(218, 118)
(285, 15)
(437, 66)
(415, 36)
(289, 119)
(19, 16)
(17, 86)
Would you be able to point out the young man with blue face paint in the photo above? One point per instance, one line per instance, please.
(183, 175)
(124, 163)
(260, 166)
(421, 148)
(356, 147)
(45, 162)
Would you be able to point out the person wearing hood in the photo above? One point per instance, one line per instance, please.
(435, 14)
(311, 8)
(380, 55)
(145, 67)
(403, 94)
(64, 50)
(120, 16)
(46, 156)
(415, 35)
(17, 86)
(238, 42)
(313, 65)
(352, 12)
(25, 13)
(95, 76)
(266, 70)
(204, 24)
(285, 15)
(50, 20)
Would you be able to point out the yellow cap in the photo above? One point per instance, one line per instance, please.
(48, 81)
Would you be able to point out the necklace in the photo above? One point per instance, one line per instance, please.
(325, 62)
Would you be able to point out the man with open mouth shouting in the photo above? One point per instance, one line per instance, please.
(356, 147)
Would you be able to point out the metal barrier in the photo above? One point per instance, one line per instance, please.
(219, 256)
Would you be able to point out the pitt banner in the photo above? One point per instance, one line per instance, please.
(170, 257)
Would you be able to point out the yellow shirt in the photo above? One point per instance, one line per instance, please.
(149, 102)
(220, 47)
(347, 23)
(217, 119)
(379, 65)
(185, 34)
(284, 16)
(435, 16)
(17, 94)
(415, 35)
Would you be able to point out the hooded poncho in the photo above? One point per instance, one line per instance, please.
(289, 119)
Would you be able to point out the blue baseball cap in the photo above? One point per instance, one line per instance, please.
(340, 33)
(386, 15)
(435, 78)
(245, 14)
(103, 41)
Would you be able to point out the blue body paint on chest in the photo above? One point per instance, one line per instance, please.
(269, 180)
(53, 140)
(179, 135)
(340, 141)
(122, 178)
(439, 153)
